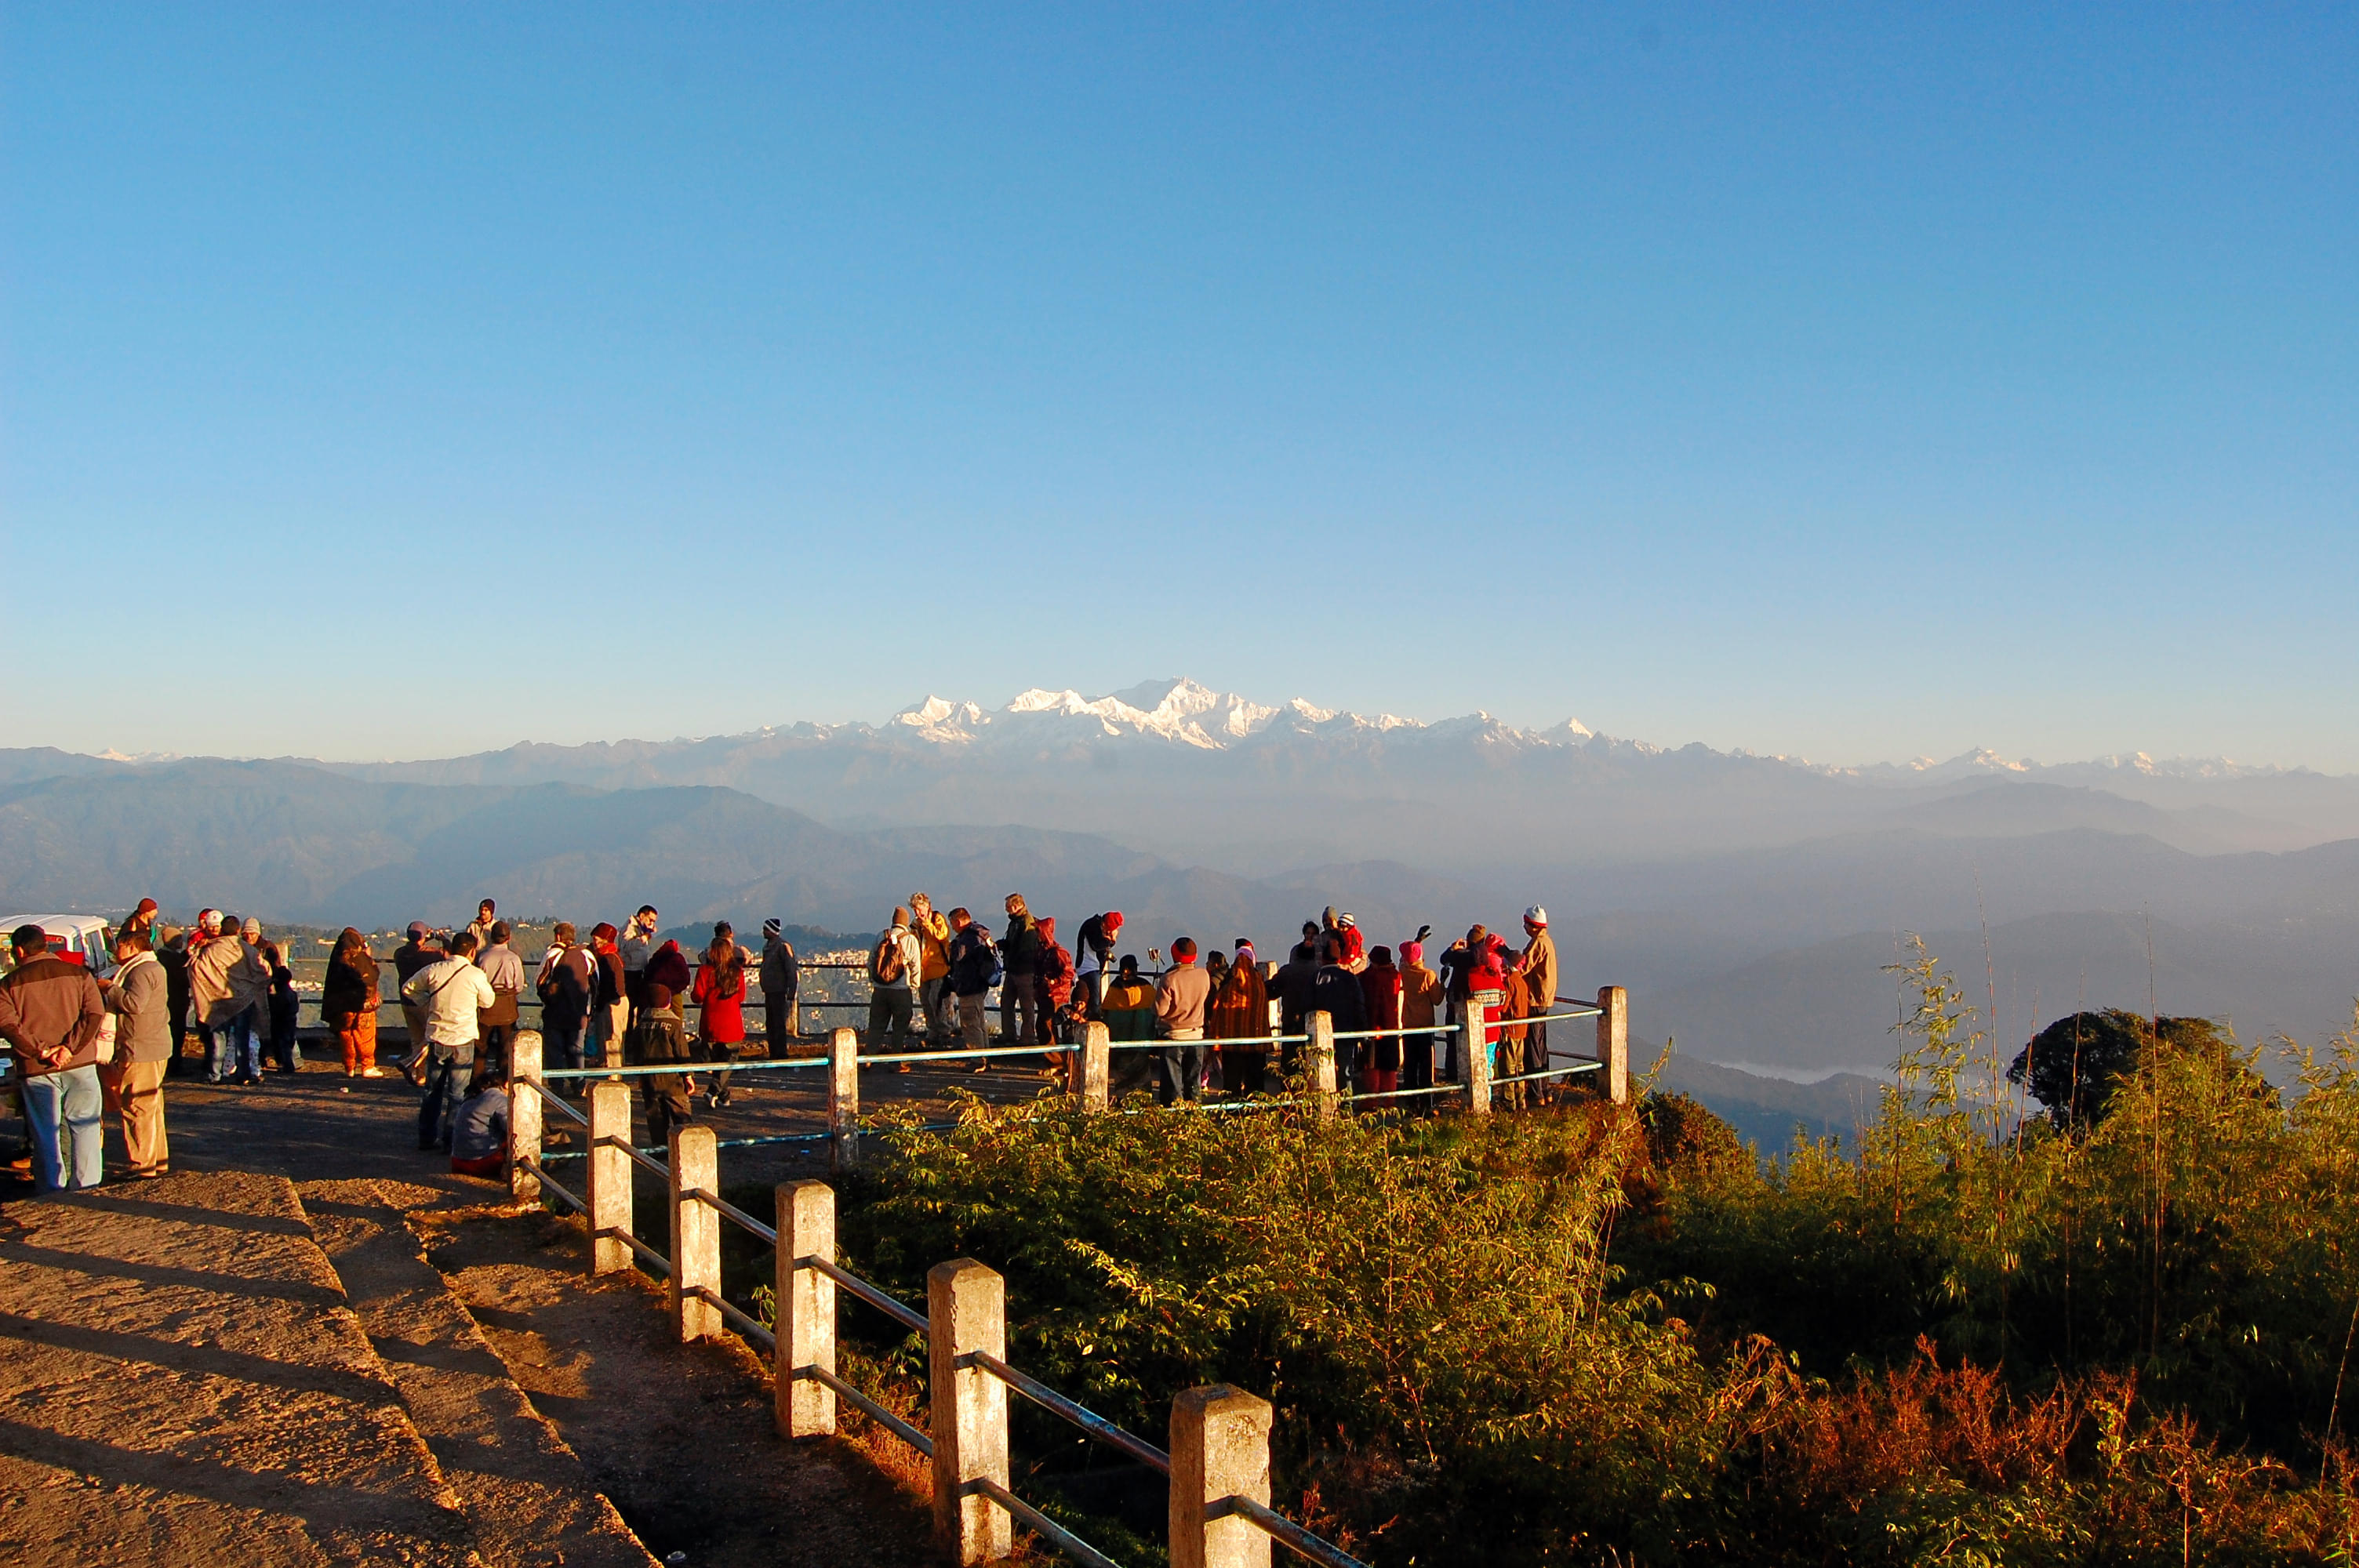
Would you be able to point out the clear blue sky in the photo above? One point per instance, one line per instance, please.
(1860, 382)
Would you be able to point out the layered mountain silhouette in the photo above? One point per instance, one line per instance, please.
(1748, 900)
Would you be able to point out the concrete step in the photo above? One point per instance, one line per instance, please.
(182, 1382)
(529, 1500)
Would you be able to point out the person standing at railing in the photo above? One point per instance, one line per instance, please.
(285, 1050)
(1094, 947)
(1540, 977)
(480, 928)
(779, 987)
(638, 946)
(1515, 1006)
(892, 967)
(1296, 978)
(453, 995)
(1053, 981)
(932, 931)
(348, 1004)
(659, 1035)
(1019, 996)
(1420, 1001)
(415, 953)
(1180, 999)
(1380, 993)
(720, 998)
(1237, 1015)
(610, 1002)
(504, 967)
(1335, 991)
(568, 989)
(974, 969)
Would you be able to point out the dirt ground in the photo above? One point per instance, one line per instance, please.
(681, 1437)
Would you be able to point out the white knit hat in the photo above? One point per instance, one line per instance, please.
(1535, 915)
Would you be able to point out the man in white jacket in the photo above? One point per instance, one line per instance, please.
(452, 991)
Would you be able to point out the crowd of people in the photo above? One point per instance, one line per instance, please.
(1212, 1019)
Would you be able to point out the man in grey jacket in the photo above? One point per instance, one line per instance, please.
(139, 997)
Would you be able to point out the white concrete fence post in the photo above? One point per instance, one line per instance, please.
(1474, 1059)
(1614, 1040)
(966, 1311)
(1097, 1065)
(695, 1232)
(609, 1179)
(524, 1113)
(1318, 1065)
(1220, 1449)
(806, 1311)
(844, 1101)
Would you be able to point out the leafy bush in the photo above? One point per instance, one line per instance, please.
(1593, 1334)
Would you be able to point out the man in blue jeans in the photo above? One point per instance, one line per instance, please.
(51, 1015)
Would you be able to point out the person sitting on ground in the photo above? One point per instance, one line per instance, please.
(720, 997)
(1238, 1015)
(1180, 999)
(348, 1004)
(1129, 1004)
(479, 1138)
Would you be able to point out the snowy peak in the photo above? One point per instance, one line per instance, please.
(1187, 713)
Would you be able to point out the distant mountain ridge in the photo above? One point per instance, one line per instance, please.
(1217, 779)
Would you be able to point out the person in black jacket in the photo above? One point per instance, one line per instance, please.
(1335, 991)
(973, 963)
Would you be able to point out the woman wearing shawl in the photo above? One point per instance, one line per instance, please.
(1237, 1016)
(348, 1004)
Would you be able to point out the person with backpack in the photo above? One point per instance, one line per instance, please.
(1019, 996)
(720, 998)
(133, 1081)
(568, 989)
(659, 1034)
(974, 969)
(893, 964)
(348, 1004)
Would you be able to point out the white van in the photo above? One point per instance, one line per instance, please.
(78, 939)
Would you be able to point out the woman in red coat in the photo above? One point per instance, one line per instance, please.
(721, 993)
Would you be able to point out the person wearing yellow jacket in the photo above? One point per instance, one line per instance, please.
(932, 930)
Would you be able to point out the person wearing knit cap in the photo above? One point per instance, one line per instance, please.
(610, 1003)
(780, 984)
(1093, 956)
(1420, 1001)
(1237, 1017)
(1540, 978)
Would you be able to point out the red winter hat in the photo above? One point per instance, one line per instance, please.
(1112, 921)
